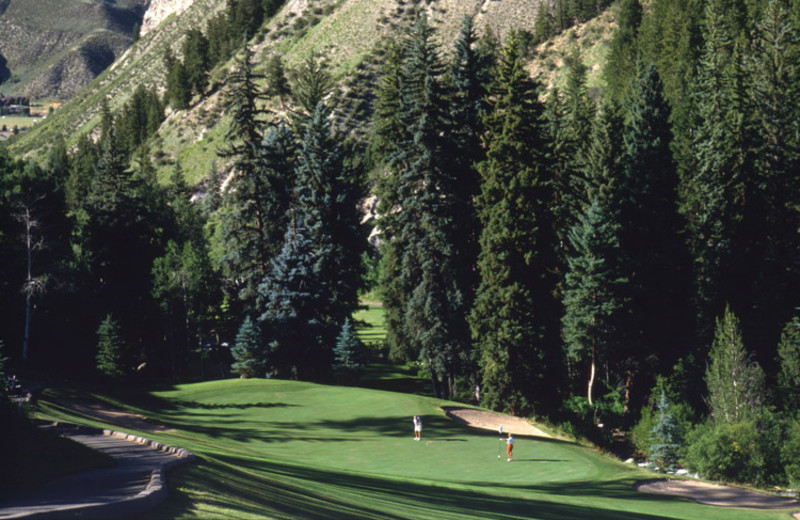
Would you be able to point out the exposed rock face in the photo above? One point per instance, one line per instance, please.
(53, 48)
(158, 10)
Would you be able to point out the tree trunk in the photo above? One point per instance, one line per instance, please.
(592, 374)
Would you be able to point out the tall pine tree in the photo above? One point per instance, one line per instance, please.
(514, 319)
(655, 257)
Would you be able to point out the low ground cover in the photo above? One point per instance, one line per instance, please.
(280, 449)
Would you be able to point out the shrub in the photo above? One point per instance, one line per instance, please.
(790, 454)
(596, 421)
(746, 452)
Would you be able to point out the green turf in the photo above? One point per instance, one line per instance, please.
(370, 326)
(276, 449)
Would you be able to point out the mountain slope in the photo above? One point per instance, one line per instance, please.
(345, 32)
(54, 48)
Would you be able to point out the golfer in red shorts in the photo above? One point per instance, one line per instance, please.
(510, 446)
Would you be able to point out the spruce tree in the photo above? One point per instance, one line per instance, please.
(470, 73)
(277, 83)
(570, 113)
(248, 351)
(774, 94)
(433, 299)
(666, 437)
(253, 218)
(348, 355)
(195, 60)
(654, 254)
(390, 131)
(623, 51)
(514, 319)
(326, 195)
(593, 293)
(113, 359)
(311, 84)
(713, 200)
(299, 338)
(544, 25)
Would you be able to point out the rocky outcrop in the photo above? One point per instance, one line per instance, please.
(158, 10)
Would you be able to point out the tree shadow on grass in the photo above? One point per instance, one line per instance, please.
(621, 489)
(270, 489)
(215, 406)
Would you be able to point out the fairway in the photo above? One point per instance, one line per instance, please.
(278, 449)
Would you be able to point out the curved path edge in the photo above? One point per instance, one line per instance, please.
(153, 493)
(717, 494)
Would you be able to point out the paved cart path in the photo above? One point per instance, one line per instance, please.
(119, 491)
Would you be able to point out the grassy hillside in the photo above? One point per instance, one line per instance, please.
(54, 48)
(345, 32)
(279, 449)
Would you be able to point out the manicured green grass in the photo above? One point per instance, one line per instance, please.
(278, 449)
(10, 121)
(370, 325)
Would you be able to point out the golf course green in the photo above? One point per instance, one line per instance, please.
(281, 449)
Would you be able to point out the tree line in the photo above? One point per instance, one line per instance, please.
(626, 261)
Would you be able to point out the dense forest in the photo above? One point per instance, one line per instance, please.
(618, 262)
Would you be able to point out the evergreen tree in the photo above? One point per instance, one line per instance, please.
(603, 160)
(544, 25)
(113, 358)
(570, 126)
(470, 74)
(348, 356)
(713, 200)
(390, 131)
(666, 437)
(248, 351)
(774, 94)
(326, 196)
(277, 83)
(514, 319)
(221, 42)
(622, 57)
(388, 128)
(195, 60)
(735, 382)
(184, 286)
(311, 84)
(432, 298)
(593, 292)
(655, 257)
(179, 89)
(253, 218)
(670, 37)
(299, 339)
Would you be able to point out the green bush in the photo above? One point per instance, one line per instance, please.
(790, 454)
(745, 452)
(595, 421)
(642, 433)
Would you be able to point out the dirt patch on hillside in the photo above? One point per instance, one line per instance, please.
(717, 495)
(112, 415)
(492, 420)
